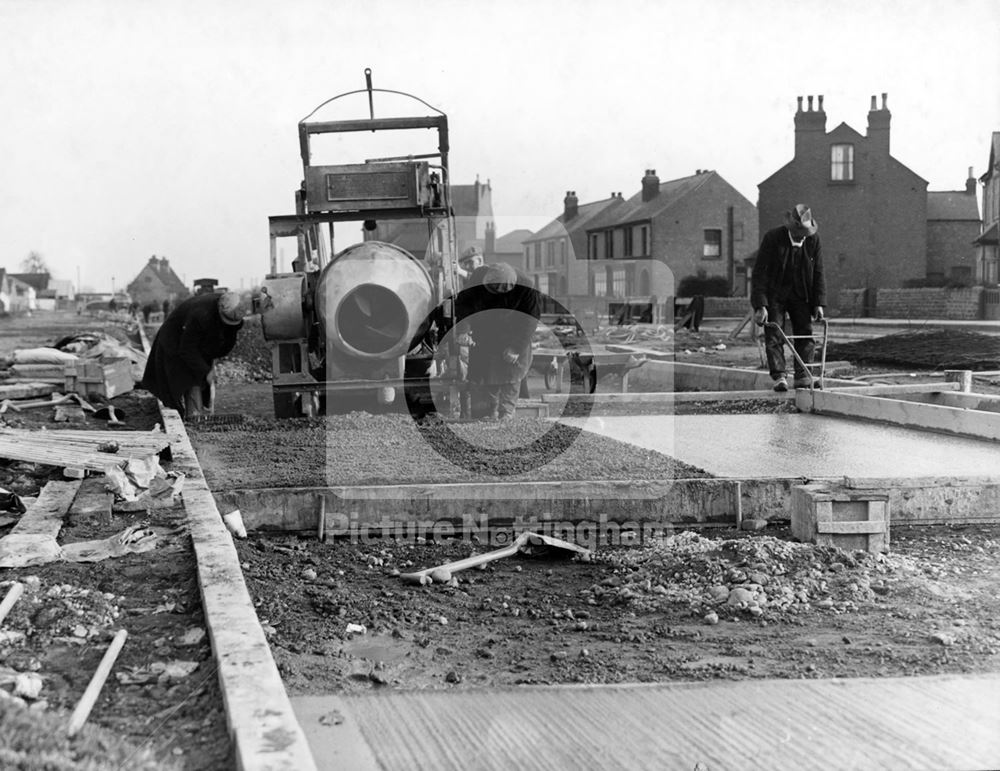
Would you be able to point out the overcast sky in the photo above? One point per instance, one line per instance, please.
(139, 127)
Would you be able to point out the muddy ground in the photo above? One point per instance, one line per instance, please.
(720, 605)
(161, 707)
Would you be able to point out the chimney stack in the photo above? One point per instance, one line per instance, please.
(810, 128)
(970, 183)
(490, 245)
(650, 185)
(878, 126)
(571, 205)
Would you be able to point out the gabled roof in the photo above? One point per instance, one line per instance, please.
(953, 205)
(994, 156)
(585, 212)
(511, 242)
(37, 281)
(635, 209)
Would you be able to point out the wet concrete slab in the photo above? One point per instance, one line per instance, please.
(917, 722)
(800, 445)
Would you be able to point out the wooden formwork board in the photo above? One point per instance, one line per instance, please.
(263, 727)
(953, 420)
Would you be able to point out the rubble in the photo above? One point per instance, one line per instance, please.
(751, 576)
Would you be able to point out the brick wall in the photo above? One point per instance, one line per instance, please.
(735, 307)
(852, 303)
(929, 303)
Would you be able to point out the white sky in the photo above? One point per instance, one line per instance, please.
(139, 127)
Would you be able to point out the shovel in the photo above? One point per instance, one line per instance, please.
(522, 543)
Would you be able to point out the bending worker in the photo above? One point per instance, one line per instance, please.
(788, 280)
(180, 369)
(501, 309)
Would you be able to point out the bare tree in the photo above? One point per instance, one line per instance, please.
(34, 263)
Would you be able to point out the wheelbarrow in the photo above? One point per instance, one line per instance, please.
(817, 382)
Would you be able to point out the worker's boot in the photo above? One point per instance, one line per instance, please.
(804, 381)
(780, 384)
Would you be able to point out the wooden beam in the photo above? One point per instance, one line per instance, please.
(932, 417)
(32, 541)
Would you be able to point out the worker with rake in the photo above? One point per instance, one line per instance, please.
(788, 282)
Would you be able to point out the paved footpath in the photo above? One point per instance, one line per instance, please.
(940, 722)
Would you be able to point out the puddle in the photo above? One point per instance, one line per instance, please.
(377, 649)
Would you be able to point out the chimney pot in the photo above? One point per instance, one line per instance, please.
(799, 98)
(885, 96)
(810, 102)
(874, 103)
(820, 107)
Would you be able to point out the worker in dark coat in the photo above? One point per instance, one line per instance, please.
(788, 281)
(501, 309)
(198, 331)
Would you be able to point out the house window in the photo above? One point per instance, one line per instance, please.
(713, 244)
(599, 285)
(562, 251)
(627, 237)
(593, 246)
(609, 245)
(644, 245)
(527, 256)
(616, 280)
(550, 254)
(842, 163)
(542, 283)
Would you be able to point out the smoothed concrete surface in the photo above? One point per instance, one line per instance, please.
(800, 445)
(938, 722)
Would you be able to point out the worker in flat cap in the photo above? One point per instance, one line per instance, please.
(180, 368)
(501, 309)
(788, 282)
(471, 259)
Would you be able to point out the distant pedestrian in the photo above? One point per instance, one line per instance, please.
(113, 305)
(166, 309)
(788, 281)
(147, 311)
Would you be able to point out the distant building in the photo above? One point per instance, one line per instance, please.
(16, 296)
(619, 258)
(879, 225)
(953, 224)
(157, 282)
(988, 259)
(507, 248)
(473, 209)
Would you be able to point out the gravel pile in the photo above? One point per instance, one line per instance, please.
(753, 576)
(58, 614)
(933, 349)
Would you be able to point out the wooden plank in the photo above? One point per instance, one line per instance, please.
(257, 706)
(932, 417)
(872, 526)
(27, 390)
(45, 516)
(902, 388)
(56, 455)
(93, 501)
(669, 397)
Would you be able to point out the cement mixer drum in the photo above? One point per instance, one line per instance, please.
(373, 301)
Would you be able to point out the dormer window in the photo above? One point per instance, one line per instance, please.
(842, 163)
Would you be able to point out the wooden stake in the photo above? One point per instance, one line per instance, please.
(13, 595)
(89, 698)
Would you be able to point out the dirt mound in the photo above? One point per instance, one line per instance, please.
(931, 349)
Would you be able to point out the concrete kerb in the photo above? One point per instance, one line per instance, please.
(265, 733)
(593, 511)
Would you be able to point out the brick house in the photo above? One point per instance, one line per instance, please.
(16, 295)
(555, 256)
(871, 209)
(988, 258)
(952, 227)
(627, 253)
(157, 282)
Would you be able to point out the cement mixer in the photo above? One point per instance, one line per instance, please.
(362, 329)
